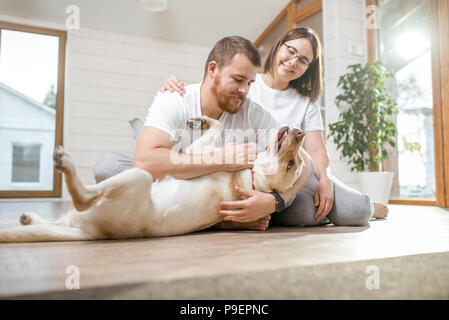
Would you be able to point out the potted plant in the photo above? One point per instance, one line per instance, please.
(365, 126)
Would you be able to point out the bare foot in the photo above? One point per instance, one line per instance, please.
(380, 210)
(259, 225)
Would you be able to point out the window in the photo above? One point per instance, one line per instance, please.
(31, 109)
(405, 51)
(26, 163)
(412, 43)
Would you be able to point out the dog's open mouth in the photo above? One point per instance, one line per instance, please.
(282, 135)
(284, 132)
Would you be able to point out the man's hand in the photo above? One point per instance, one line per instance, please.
(324, 198)
(238, 156)
(172, 84)
(258, 205)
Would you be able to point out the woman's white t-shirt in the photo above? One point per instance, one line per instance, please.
(287, 106)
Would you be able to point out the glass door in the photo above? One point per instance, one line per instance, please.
(404, 48)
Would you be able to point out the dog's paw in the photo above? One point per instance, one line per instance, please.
(61, 159)
(26, 219)
(199, 123)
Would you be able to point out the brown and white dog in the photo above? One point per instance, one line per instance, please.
(131, 205)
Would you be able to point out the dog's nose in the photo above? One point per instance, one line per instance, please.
(298, 133)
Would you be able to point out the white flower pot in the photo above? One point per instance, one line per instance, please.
(377, 185)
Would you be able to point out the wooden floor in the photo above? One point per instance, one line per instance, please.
(38, 268)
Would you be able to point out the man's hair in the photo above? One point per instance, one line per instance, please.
(225, 49)
(310, 84)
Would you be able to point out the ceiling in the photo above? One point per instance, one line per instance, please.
(201, 22)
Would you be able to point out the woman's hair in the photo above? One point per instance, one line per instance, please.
(310, 84)
(225, 49)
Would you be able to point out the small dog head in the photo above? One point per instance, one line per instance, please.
(280, 165)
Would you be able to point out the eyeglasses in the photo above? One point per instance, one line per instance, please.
(303, 61)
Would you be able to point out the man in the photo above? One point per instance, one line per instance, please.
(229, 71)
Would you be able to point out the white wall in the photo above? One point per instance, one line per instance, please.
(110, 79)
(343, 24)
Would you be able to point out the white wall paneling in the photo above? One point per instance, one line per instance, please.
(343, 24)
(111, 78)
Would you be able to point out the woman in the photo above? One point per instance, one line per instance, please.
(289, 88)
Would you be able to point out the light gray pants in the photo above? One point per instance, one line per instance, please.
(351, 208)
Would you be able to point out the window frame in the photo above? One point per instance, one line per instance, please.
(57, 177)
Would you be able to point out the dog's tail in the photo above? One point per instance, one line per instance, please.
(43, 232)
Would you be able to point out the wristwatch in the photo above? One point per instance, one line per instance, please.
(280, 204)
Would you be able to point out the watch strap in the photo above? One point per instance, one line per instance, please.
(280, 204)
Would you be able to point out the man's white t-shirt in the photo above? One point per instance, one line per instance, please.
(170, 112)
(287, 106)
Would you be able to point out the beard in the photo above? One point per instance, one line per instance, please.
(224, 99)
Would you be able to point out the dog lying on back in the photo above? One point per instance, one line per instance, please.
(131, 205)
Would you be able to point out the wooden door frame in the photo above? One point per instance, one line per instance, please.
(293, 16)
(439, 25)
(57, 178)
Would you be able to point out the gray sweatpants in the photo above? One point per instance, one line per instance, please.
(351, 208)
